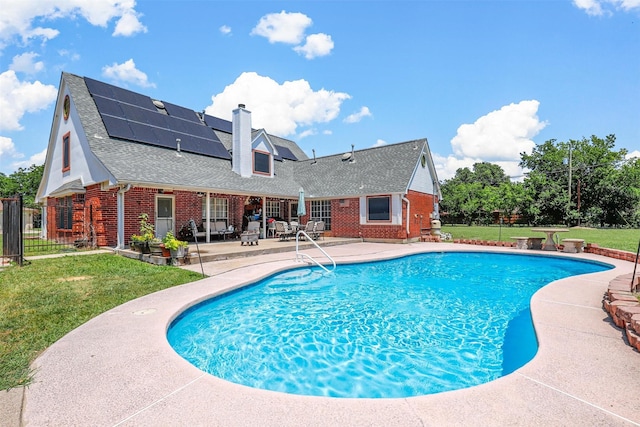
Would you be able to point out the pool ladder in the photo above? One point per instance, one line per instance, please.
(301, 256)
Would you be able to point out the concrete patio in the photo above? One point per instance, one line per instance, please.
(118, 368)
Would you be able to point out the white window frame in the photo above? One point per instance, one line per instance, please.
(321, 211)
(272, 209)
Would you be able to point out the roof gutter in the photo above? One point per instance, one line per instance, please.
(120, 214)
(408, 212)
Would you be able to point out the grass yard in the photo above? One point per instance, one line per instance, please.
(44, 300)
(623, 239)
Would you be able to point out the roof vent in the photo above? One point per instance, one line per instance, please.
(158, 104)
(314, 156)
(353, 155)
(346, 156)
(241, 106)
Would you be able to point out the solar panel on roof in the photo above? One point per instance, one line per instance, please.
(117, 128)
(133, 98)
(108, 106)
(285, 153)
(181, 112)
(145, 133)
(135, 114)
(156, 119)
(98, 88)
(134, 117)
(177, 125)
(218, 124)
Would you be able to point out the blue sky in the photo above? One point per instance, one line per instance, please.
(481, 80)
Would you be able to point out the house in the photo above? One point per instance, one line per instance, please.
(114, 154)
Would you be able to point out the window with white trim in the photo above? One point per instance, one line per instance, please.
(273, 209)
(321, 211)
(379, 208)
(218, 208)
(261, 162)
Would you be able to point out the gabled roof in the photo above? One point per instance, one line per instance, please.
(380, 170)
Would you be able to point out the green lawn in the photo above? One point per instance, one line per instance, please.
(44, 300)
(623, 239)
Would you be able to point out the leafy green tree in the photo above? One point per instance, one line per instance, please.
(469, 197)
(24, 181)
(579, 181)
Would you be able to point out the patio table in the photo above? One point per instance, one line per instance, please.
(549, 244)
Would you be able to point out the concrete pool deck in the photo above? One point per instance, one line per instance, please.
(118, 369)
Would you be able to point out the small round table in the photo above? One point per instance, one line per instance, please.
(549, 244)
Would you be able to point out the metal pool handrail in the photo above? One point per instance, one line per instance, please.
(301, 256)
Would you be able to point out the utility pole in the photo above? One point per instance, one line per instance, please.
(569, 202)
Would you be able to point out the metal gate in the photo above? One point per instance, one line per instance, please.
(12, 227)
(68, 227)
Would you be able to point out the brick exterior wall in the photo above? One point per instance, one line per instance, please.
(345, 219)
(100, 209)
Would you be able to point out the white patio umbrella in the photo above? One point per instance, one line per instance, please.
(302, 211)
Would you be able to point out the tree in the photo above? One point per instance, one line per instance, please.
(24, 181)
(579, 181)
(469, 197)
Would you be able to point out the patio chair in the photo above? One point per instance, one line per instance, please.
(282, 230)
(251, 235)
(318, 230)
(308, 228)
(271, 229)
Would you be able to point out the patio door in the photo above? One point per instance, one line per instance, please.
(164, 215)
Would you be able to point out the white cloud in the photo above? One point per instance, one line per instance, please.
(279, 108)
(7, 148)
(126, 73)
(500, 135)
(306, 133)
(18, 98)
(497, 137)
(290, 28)
(25, 63)
(634, 154)
(69, 54)
(129, 24)
(36, 159)
(18, 17)
(356, 117)
(379, 143)
(602, 7)
(316, 45)
(282, 27)
(225, 29)
(327, 132)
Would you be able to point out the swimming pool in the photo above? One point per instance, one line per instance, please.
(417, 325)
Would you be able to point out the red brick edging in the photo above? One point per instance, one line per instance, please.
(591, 248)
(624, 308)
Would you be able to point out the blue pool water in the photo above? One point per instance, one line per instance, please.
(412, 326)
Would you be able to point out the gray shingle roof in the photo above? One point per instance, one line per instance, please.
(386, 169)
(72, 187)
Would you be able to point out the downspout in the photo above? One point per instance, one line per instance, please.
(404, 198)
(120, 213)
(264, 216)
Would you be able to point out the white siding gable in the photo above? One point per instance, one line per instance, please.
(83, 164)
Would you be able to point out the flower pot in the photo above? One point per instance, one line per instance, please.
(166, 252)
(155, 248)
(142, 247)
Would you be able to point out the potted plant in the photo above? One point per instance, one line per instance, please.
(176, 247)
(144, 241)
